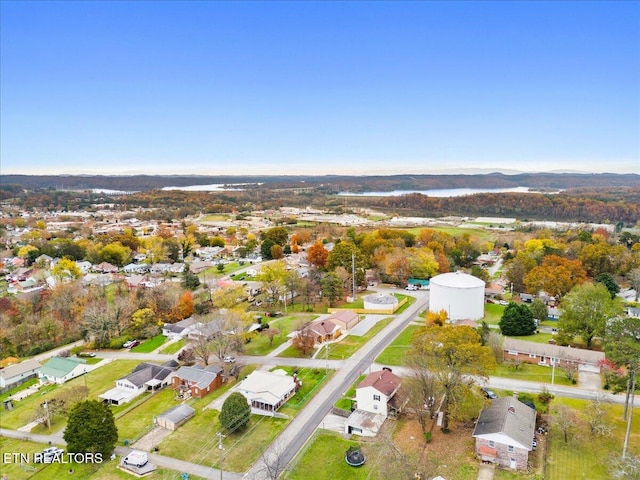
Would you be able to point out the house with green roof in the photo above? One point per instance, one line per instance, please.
(62, 369)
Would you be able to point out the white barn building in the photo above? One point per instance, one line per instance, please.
(459, 294)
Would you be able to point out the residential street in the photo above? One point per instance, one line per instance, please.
(293, 438)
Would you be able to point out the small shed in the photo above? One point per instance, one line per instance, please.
(174, 417)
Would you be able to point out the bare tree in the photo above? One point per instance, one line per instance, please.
(273, 461)
(100, 322)
(565, 420)
(595, 415)
(423, 391)
(627, 468)
(201, 348)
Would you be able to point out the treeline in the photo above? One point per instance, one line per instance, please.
(330, 183)
(530, 206)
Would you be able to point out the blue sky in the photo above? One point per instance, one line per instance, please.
(318, 87)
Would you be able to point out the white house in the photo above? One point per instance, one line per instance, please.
(18, 373)
(62, 369)
(180, 329)
(84, 266)
(375, 399)
(146, 377)
(376, 390)
(267, 391)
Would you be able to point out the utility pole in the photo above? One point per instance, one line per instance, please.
(633, 396)
(220, 437)
(353, 272)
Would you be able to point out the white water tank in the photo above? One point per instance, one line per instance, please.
(459, 294)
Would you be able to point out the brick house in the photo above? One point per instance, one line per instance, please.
(548, 355)
(199, 381)
(322, 330)
(504, 433)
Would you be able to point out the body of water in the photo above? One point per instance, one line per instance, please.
(215, 187)
(443, 192)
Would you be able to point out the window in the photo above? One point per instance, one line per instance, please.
(376, 398)
(492, 444)
(532, 355)
(513, 352)
(510, 448)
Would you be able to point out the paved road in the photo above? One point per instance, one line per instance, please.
(295, 435)
(159, 460)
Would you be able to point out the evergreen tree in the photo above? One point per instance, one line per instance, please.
(517, 320)
(91, 428)
(608, 281)
(189, 279)
(235, 413)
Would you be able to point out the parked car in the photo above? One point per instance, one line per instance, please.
(127, 344)
(411, 287)
(134, 343)
(489, 393)
(229, 359)
(48, 455)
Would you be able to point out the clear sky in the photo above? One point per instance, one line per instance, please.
(318, 87)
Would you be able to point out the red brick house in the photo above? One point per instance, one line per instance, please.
(548, 355)
(323, 330)
(198, 381)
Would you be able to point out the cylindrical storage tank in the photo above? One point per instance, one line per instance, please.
(380, 301)
(459, 294)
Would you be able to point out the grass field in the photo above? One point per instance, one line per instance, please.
(150, 345)
(530, 373)
(479, 233)
(98, 381)
(493, 313)
(351, 343)
(536, 337)
(17, 389)
(586, 456)
(174, 347)
(396, 352)
(325, 458)
(139, 420)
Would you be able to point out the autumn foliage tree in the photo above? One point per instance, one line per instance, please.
(317, 255)
(452, 353)
(304, 341)
(555, 276)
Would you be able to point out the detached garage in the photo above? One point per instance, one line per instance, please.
(174, 417)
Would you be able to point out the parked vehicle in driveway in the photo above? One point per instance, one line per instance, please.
(229, 359)
(488, 393)
(136, 458)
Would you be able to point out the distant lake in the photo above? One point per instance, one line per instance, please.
(443, 192)
(215, 187)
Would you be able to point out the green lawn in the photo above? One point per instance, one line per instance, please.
(351, 343)
(531, 373)
(400, 297)
(17, 389)
(396, 352)
(536, 337)
(262, 343)
(584, 455)
(139, 420)
(324, 456)
(312, 381)
(150, 345)
(345, 401)
(174, 347)
(291, 352)
(98, 381)
(493, 313)
(107, 470)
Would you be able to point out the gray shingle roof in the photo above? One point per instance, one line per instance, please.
(510, 417)
(178, 414)
(201, 377)
(146, 372)
(547, 350)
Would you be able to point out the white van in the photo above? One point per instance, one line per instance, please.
(136, 458)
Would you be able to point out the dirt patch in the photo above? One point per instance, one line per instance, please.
(450, 455)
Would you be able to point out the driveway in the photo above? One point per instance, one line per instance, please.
(366, 324)
(486, 471)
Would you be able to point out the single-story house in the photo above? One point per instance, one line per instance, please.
(633, 312)
(504, 433)
(18, 373)
(179, 329)
(267, 391)
(199, 381)
(145, 377)
(84, 266)
(174, 417)
(322, 330)
(208, 330)
(345, 319)
(374, 403)
(105, 267)
(135, 268)
(548, 355)
(553, 313)
(198, 266)
(62, 369)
